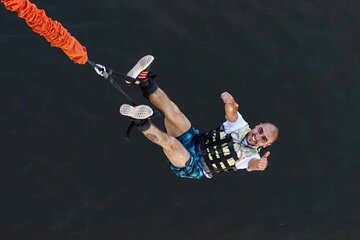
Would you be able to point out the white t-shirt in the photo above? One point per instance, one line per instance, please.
(234, 128)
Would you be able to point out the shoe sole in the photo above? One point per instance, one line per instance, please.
(140, 66)
(137, 112)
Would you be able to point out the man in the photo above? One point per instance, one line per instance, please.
(230, 147)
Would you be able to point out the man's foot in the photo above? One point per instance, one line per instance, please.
(140, 71)
(140, 112)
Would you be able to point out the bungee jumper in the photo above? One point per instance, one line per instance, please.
(191, 154)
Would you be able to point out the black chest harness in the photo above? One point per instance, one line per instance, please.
(217, 150)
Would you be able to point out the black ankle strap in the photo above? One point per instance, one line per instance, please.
(142, 125)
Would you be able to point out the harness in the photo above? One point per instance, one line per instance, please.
(115, 77)
(217, 150)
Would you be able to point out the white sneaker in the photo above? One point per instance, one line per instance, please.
(136, 112)
(141, 70)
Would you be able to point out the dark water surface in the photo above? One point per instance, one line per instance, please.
(67, 172)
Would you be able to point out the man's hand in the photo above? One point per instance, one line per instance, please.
(231, 107)
(227, 98)
(263, 162)
(259, 164)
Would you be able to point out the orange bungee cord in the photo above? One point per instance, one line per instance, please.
(59, 37)
(50, 29)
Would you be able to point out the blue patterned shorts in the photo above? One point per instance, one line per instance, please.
(193, 168)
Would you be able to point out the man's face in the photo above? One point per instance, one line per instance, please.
(262, 135)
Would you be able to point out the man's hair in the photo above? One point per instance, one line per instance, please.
(275, 131)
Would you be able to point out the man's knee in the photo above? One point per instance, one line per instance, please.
(174, 108)
(172, 144)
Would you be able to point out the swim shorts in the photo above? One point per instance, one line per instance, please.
(193, 168)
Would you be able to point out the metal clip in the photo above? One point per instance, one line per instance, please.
(101, 70)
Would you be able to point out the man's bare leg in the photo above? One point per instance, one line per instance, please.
(173, 149)
(176, 123)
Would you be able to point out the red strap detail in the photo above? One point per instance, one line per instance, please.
(143, 75)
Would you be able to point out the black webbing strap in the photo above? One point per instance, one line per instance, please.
(113, 77)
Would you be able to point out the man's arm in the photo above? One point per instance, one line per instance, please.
(231, 107)
(259, 164)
